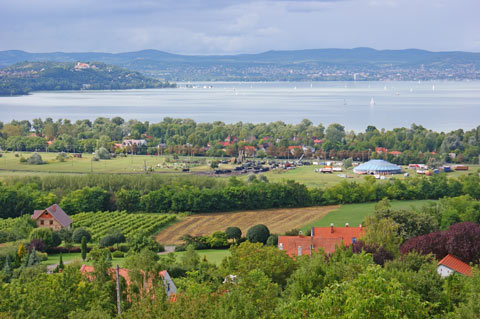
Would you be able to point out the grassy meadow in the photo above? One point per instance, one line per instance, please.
(354, 214)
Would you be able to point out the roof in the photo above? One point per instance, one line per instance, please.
(344, 233)
(377, 165)
(456, 264)
(290, 244)
(57, 213)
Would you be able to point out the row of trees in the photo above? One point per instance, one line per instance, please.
(20, 199)
(185, 136)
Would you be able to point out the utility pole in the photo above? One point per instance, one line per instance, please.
(119, 301)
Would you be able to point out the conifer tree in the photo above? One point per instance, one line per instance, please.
(84, 248)
(33, 259)
(7, 270)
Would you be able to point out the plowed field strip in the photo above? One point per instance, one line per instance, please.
(277, 220)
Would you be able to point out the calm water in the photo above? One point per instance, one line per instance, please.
(440, 106)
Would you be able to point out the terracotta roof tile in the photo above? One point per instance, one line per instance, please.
(456, 264)
(345, 233)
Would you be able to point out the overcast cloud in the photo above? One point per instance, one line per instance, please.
(227, 26)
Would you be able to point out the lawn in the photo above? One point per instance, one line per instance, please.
(214, 256)
(307, 175)
(54, 259)
(354, 214)
(9, 163)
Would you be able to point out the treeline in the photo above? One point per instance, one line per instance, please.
(25, 77)
(19, 199)
(186, 137)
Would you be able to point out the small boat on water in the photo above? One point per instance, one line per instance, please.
(372, 102)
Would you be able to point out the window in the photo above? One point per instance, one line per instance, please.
(354, 240)
(41, 222)
(299, 250)
(51, 222)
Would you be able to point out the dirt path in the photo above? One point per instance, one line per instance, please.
(277, 220)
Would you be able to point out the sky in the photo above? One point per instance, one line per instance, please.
(242, 26)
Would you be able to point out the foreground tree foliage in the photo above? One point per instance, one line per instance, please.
(257, 281)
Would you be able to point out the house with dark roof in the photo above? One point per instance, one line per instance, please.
(450, 264)
(52, 217)
(326, 238)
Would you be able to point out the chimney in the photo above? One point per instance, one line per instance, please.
(331, 228)
(346, 224)
(300, 234)
(54, 207)
(360, 227)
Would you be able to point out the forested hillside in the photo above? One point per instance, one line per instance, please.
(26, 77)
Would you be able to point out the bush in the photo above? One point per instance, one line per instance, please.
(112, 239)
(43, 234)
(272, 240)
(123, 248)
(102, 153)
(118, 254)
(23, 160)
(292, 232)
(218, 240)
(180, 248)
(258, 234)
(35, 159)
(79, 233)
(42, 256)
(234, 233)
(56, 239)
(36, 244)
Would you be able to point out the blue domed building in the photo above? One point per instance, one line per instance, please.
(377, 167)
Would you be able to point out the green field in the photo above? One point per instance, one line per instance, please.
(214, 256)
(54, 259)
(307, 175)
(354, 214)
(101, 223)
(10, 164)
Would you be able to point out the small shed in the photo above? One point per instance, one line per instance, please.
(450, 264)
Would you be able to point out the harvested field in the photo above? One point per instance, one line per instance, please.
(277, 220)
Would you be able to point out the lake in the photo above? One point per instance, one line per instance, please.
(441, 106)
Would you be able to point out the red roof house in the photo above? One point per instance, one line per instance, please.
(326, 238)
(123, 272)
(380, 150)
(450, 264)
(396, 153)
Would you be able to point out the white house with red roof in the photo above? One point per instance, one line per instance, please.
(52, 217)
(450, 264)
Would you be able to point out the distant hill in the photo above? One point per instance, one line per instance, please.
(317, 64)
(22, 78)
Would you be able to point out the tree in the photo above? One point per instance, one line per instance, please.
(234, 233)
(218, 240)
(128, 200)
(7, 271)
(102, 153)
(383, 233)
(43, 234)
(272, 240)
(258, 234)
(33, 259)
(112, 239)
(37, 244)
(84, 248)
(79, 233)
(247, 256)
(35, 159)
